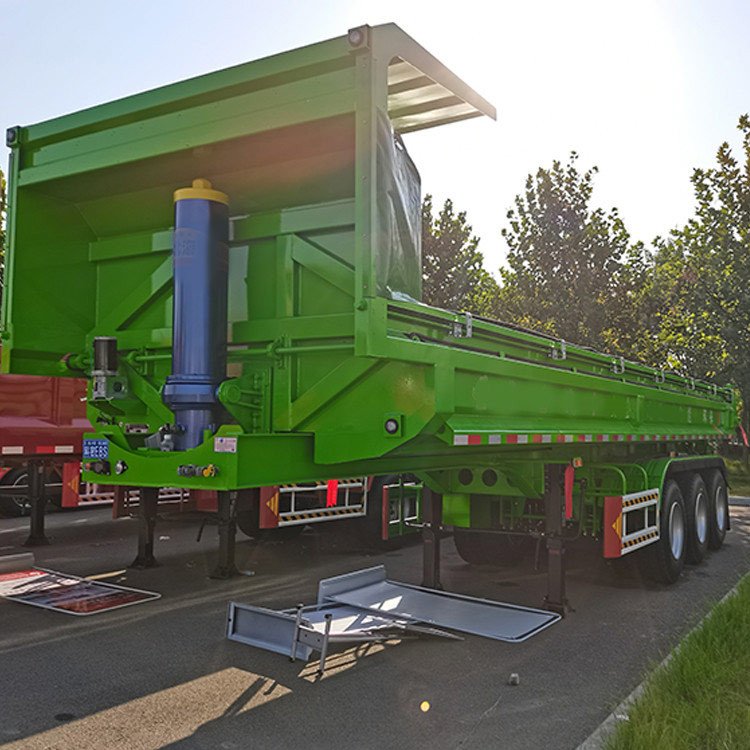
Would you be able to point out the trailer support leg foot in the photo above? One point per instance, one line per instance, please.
(432, 509)
(554, 508)
(226, 567)
(556, 601)
(149, 497)
(37, 501)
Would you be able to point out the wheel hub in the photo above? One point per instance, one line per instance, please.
(676, 530)
(720, 502)
(701, 517)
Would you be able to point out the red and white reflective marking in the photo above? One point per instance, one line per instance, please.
(524, 438)
(20, 450)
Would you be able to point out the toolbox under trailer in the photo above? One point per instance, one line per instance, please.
(235, 262)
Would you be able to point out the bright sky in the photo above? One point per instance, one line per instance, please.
(645, 90)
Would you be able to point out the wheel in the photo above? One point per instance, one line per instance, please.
(15, 505)
(666, 557)
(490, 548)
(695, 494)
(718, 508)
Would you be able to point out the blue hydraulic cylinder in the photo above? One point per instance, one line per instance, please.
(199, 323)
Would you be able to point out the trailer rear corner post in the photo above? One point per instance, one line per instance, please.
(225, 566)
(37, 501)
(555, 600)
(149, 497)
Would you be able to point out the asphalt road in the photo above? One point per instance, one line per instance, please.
(162, 674)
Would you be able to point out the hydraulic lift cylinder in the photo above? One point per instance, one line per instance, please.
(199, 321)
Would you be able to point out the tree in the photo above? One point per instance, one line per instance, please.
(706, 330)
(572, 270)
(453, 273)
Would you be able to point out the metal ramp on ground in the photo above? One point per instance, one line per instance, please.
(364, 606)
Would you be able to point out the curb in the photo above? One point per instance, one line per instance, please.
(598, 738)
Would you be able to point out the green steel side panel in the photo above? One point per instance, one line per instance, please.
(329, 344)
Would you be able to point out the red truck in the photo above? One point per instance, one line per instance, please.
(41, 418)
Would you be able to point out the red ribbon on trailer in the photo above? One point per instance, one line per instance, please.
(332, 493)
(744, 436)
(570, 472)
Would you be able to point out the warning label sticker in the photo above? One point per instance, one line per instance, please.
(225, 445)
(67, 593)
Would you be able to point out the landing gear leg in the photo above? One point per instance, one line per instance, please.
(556, 601)
(37, 501)
(432, 509)
(226, 567)
(149, 497)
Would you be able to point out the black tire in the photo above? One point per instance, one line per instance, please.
(695, 495)
(718, 508)
(15, 506)
(666, 557)
(490, 548)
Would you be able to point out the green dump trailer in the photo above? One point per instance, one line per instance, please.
(234, 261)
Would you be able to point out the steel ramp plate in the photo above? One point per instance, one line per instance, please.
(370, 590)
(274, 631)
(348, 620)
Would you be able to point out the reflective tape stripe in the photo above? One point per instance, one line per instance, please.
(548, 438)
(639, 539)
(319, 513)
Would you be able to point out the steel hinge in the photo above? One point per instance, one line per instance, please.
(561, 353)
(463, 326)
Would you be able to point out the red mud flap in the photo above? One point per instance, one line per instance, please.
(71, 484)
(269, 507)
(630, 522)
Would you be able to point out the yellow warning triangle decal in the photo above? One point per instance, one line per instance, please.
(617, 526)
(273, 504)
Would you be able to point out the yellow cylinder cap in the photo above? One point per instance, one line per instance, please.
(201, 189)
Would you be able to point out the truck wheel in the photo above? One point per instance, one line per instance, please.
(697, 514)
(718, 508)
(489, 548)
(14, 506)
(667, 555)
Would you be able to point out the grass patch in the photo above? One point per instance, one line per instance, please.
(701, 699)
(739, 478)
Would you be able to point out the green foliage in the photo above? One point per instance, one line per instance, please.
(704, 323)
(572, 270)
(453, 273)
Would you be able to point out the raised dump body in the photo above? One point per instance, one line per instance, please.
(333, 365)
